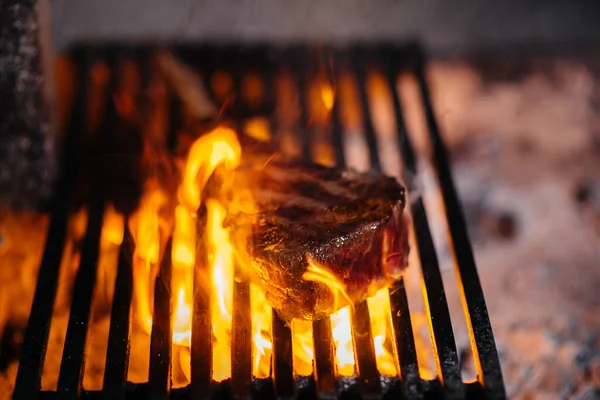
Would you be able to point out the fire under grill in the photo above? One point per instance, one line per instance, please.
(302, 65)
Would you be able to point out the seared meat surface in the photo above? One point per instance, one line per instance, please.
(348, 223)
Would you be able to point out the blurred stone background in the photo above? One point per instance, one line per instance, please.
(444, 26)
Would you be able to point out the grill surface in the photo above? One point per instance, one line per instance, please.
(389, 60)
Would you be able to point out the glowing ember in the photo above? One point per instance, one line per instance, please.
(342, 337)
(302, 347)
(380, 313)
(220, 253)
(262, 346)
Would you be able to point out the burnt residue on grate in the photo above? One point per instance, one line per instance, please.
(367, 382)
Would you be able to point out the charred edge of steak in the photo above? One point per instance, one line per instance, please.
(351, 223)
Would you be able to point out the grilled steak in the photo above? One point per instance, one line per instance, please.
(348, 223)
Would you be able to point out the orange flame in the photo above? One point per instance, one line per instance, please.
(342, 337)
(221, 260)
(182, 317)
(112, 226)
(111, 237)
(319, 274)
(258, 128)
(327, 95)
(302, 347)
(262, 346)
(184, 239)
(381, 328)
(219, 146)
(183, 257)
(340, 321)
(145, 228)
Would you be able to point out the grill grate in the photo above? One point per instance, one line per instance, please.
(390, 60)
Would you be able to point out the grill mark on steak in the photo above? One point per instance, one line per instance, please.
(317, 187)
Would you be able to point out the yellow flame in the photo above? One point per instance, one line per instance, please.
(78, 224)
(111, 237)
(112, 226)
(220, 146)
(302, 347)
(319, 274)
(183, 255)
(340, 321)
(262, 346)
(184, 239)
(221, 262)
(182, 317)
(381, 328)
(144, 226)
(342, 337)
(327, 95)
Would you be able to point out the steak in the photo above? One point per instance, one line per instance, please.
(288, 216)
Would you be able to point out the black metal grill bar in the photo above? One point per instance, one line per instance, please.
(364, 350)
(119, 335)
(241, 344)
(282, 371)
(73, 358)
(160, 337)
(361, 75)
(33, 352)
(117, 355)
(336, 125)
(305, 133)
(235, 108)
(478, 322)
(446, 356)
(361, 321)
(201, 346)
(324, 365)
(405, 342)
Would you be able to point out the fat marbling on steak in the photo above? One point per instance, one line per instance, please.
(346, 222)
